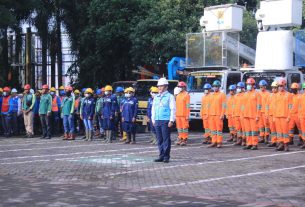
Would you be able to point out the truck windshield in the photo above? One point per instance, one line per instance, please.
(267, 76)
(124, 84)
(142, 92)
(197, 80)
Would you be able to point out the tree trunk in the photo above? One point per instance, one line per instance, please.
(59, 45)
(53, 58)
(44, 45)
(4, 54)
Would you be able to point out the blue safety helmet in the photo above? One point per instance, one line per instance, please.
(207, 86)
(241, 84)
(83, 90)
(216, 83)
(232, 87)
(119, 89)
(98, 92)
(62, 93)
(263, 83)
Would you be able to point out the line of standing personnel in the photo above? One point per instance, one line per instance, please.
(259, 116)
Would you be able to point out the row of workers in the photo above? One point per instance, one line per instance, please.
(103, 106)
(254, 116)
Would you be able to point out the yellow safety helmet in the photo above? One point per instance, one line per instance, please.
(61, 88)
(154, 89)
(76, 91)
(1, 90)
(108, 88)
(274, 84)
(129, 89)
(52, 89)
(89, 90)
(126, 90)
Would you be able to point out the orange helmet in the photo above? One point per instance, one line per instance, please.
(68, 88)
(103, 89)
(282, 82)
(27, 87)
(45, 86)
(181, 84)
(6, 89)
(250, 81)
(294, 86)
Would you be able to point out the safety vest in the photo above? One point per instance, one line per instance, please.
(54, 104)
(76, 105)
(5, 104)
(162, 106)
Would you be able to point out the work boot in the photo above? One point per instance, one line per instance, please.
(271, 145)
(65, 136)
(231, 138)
(291, 142)
(178, 142)
(244, 143)
(239, 141)
(266, 139)
(301, 142)
(247, 147)
(261, 140)
(286, 147)
(219, 145)
(280, 147)
(72, 136)
(86, 135)
(212, 145)
(110, 136)
(128, 139)
(254, 147)
(133, 141)
(234, 138)
(90, 135)
(183, 143)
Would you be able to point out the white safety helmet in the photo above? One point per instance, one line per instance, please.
(32, 91)
(14, 90)
(177, 90)
(162, 82)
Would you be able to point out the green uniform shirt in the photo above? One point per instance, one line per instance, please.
(28, 101)
(67, 106)
(99, 105)
(45, 105)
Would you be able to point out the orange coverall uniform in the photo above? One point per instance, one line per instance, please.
(238, 119)
(264, 129)
(216, 112)
(229, 114)
(281, 114)
(270, 107)
(301, 112)
(204, 113)
(182, 114)
(251, 108)
(294, 118)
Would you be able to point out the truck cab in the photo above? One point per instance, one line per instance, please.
(142, 93)
(197, 79)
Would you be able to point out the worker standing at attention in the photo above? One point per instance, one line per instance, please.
(163, 117)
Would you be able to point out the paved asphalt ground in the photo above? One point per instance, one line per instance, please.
(35, 172)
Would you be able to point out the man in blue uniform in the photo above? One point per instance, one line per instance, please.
(129, 115)
(108, 111)
(87, 113)
(163, 117)
(153, 92)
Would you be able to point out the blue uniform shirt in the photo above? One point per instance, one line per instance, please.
(129, 109)
(88, 108)
(149, 107)
(15, 101)
(110, 106)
